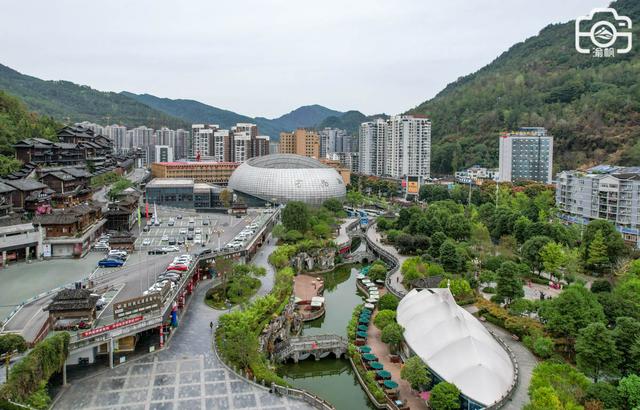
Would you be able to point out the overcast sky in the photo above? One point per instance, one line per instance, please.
(265, 58)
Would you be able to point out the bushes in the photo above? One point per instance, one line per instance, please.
(28, 375)
(237, 335)
(520, 326)
(568, 384)
(388, 302)
(353, 323)
(489, 289)
(11, 342)
(383, 318)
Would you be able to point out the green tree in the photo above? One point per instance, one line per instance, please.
(226, 197)
(612, 239)
(458, 287)
(377, 272)
(415, 372)
(333, 204)
(509, 284)
(295, 216)
(239, 340)
(606, 393)
(544, 398)
(383, 318)
(445, 396)
(598, 257)
(629, 388)
(392, 334)
(531, 251)
(388, 302)
(553, 257)
(596, 353)
(355, 198)
(10, 342)
(8, 165)
(626, 333)
(449, 257)
(574, 309)
(568, 383)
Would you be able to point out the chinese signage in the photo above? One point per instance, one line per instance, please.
(110, 327)
(138, 306)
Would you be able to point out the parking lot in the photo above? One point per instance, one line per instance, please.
(209, 226)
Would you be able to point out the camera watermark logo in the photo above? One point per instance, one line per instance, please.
(603, 33)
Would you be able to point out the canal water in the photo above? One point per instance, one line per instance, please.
(329, 378)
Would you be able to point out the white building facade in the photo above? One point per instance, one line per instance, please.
(526, 155)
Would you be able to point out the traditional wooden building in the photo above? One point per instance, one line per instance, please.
(6, 202)
(77, 304)
(69, 222)
(29, 194)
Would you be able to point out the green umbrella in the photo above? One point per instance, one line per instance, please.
(360, 333)
(370, 357)
(364, 328)
(376, 365)
(365, 349)
(384, 374)
(390, 384)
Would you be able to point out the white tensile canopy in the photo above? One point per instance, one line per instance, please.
(455, 345)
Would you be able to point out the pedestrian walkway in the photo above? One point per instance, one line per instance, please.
(526, 362)
(396, 277)
(381, 350)
(186, 375)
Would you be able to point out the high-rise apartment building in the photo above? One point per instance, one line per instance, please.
(221, 146)
(202, 141)
(181, 149)
(301, 142)
(603, 192)
(335, 140)
(526, 155)
(261, 145)
(397, 147)
(163, 153)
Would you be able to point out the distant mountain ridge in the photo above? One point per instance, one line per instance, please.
(69, 102)
(307, 116)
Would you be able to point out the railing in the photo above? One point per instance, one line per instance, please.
(516, 373)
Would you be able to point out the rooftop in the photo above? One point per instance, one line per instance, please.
(196, 163)
(284, 161)
(170, 182)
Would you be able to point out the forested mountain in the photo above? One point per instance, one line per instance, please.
(349, 121)
(69, 102)
(17, 123)
(197, 112)
(591, 105)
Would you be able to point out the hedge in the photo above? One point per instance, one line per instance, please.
(28, 375)
(518, 325)
(11, 342)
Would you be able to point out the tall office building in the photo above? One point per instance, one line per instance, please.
(301, 142)
(603, 192)
(181, 150)
(526, 155)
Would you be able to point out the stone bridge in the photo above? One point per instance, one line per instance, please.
(303, 347)
(361, 257)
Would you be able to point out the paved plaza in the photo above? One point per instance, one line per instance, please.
(185, 375)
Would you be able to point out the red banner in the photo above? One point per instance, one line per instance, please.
(112, 326)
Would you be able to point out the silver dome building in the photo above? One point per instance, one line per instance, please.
(280, 178)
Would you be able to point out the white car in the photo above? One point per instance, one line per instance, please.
(171, 248)
(101, 246)
(197, 239)
(165, 238)
(146, 242)
(183, 231)
(198, 231)
(118, 253)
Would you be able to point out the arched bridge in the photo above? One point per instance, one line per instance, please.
(303, 347)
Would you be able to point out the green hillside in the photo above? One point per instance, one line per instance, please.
(17, 123)
(591, 105)
(196, 112)
(349, 121)
(69, 102)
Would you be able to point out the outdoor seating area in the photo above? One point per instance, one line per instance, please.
(369, 288)
(370, 361)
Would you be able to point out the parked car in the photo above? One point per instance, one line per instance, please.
(159, 251)
(157, 223)
(171, 222)
(191, 228)
(110, 263)
(179, 216)
(198, 239)
(165, 238)
(117, 252)
(205, 251)
(172, 240)
(171, 248)
(189, 236)
(198, 231)
(146, 229)
(183, 231)
(205, 222)
(179, 267)
(180, 240)
(173, 272)
(146, 242)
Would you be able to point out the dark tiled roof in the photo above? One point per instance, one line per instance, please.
(26, 184)
(73, 299)
(5, 188)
